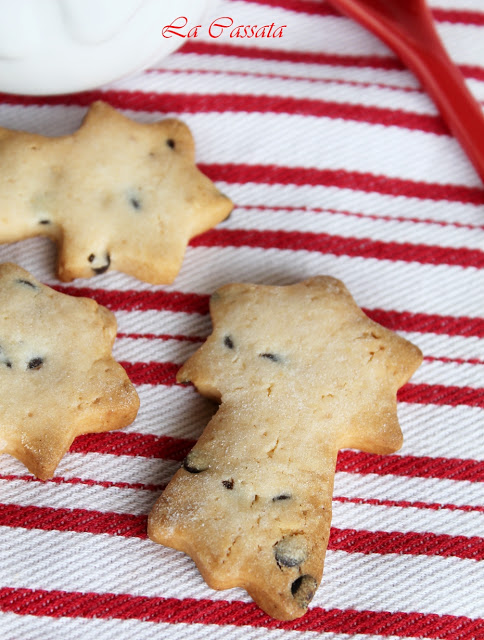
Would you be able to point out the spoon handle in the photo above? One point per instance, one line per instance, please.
(411, 33)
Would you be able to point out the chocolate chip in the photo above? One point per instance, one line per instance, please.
(135, 202)
(195, 462)
(26, 282)
(228, 484)
(228, 342)
(35, 363)
(270, 356)
(303, 590)
(4, 360)
(104, 267)
(44, 221)
(282, 496)
(290, 551)
(170, 143)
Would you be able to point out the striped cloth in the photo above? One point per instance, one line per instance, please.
(338, 164)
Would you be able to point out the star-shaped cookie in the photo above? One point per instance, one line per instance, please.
(300, 372)
(57, 375)
(115, 194)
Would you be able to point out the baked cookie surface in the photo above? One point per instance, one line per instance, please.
(116, 194)
(300, 372)
(57, 376)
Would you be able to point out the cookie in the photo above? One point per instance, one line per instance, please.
(300, 372)
(57, 376)
(116, 194)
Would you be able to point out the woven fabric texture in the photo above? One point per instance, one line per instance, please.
(338, 163)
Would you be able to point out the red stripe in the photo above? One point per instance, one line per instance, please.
(130, 300)
(153, 373)
(412, 543)
(442, 394)
(349, 540)
(168, 448)
(57, 604)
(177, 301)
(427, 323)
(459, 16)
(342, 179)
(340, 246)
(413, 466)
(224, 103)
(132, 444)
(78, 520)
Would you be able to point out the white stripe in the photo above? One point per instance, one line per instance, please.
(373, 203)
(430, 430)
(407, 519)
(147, 350)
(389, 582)
(171, 411)
(350, 226)
(380, 150)
(164, 322)
(223, 82)
(469, 5)
(374, 283)
(389, 487)
(207, 268)
(462, 41)
(94, 467)
(305, 70)
(445, 346)
(78, 496)
(345, 515)
(104, 468)
(450, 373)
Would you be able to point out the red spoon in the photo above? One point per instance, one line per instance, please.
(406, 26)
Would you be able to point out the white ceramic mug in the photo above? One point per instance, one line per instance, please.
(63, 46)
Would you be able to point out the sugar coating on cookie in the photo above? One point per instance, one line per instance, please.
(58, 378)
(300, 372)
(116, 194)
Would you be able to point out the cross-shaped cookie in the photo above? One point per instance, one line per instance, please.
(300, 372)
